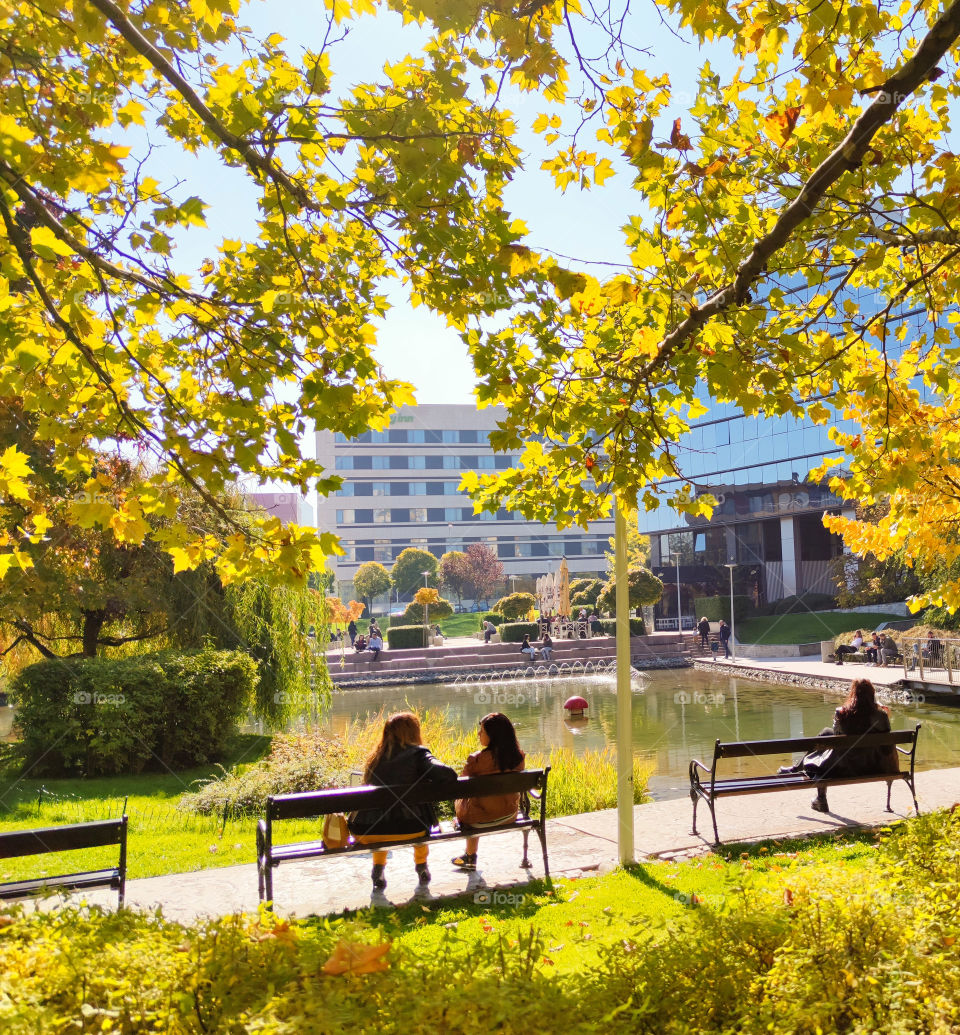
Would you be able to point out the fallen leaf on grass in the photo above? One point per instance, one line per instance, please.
(351, 958)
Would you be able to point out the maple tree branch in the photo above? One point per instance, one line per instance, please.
(847, 156)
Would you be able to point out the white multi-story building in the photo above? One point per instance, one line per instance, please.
(401, 488)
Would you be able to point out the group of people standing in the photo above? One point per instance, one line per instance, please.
(402, 759)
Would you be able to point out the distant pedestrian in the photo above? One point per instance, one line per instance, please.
(375, 645)
(488, 630)
(546, 646)
(703, 627)
(724, 635)
(352, 632)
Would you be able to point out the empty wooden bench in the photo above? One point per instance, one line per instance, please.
(705, 786)
(68, 838)
(530, 785)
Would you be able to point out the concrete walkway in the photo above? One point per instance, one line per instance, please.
(581, 845)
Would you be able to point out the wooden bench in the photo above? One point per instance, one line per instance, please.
(531, 784)
(710, 788)
(75, 836)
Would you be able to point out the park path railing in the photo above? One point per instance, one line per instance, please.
(936, 660)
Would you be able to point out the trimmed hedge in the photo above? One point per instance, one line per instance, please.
(406, 637)
(716, 608)
(106, 716)
(805, 602)
(514, 632)
(494, 617)
(636, 626)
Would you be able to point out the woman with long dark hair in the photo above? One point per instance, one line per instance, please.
(859, 714)
(500, 753)
(400, 760)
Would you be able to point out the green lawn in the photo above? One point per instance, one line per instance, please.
(161, 837)
(456, 625)
(806, 627)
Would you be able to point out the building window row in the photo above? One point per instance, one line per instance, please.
(399, 489)
(444, 462)
(507, 547)
(399, 436)
(404, 515)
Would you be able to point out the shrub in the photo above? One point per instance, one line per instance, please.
(610, 626)
(585, 592)
(716, 608)
(104, 716)
(414, 612)
(406, 637)
(514, 632)
(515, 606)
(643, 589)
(491, 616)
(805, 602)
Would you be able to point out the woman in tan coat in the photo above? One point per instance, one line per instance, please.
(500, 753)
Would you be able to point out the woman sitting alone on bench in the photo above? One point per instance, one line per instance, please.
(401, 760)
(500, 754)
(859, 714)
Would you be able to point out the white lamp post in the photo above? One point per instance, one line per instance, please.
(733, 626)
(624, 694)
(676, 555)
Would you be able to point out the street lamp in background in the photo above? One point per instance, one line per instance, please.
(426, 607)
(733, 627)
(676, 562)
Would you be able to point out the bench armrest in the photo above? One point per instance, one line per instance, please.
(696, 762)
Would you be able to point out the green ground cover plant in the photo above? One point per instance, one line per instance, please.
(808, 627)
(849, 935)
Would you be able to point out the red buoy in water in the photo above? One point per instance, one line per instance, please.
(575, 706)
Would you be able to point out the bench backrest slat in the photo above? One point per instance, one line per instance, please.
(322, 803)
(782, 747)
(61, 839)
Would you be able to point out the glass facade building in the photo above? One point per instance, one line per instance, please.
(768, 521)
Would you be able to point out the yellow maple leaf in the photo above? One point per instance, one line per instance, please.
(351, 958)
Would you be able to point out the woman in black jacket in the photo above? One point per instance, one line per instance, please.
(399, 760)
(859, 714)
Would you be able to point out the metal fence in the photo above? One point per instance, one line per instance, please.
(935, 660)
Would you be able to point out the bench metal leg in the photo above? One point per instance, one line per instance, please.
(260, 861)
(696, 801)
(889, 789)
(713, 814)
(525, 862)
(913, 792)
(542, 834)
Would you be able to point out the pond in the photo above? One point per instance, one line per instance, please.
(677, 715)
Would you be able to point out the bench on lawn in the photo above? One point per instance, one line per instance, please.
(531, 784)
(67, 838)
(709, 788)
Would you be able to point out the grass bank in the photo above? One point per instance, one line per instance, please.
(808, 627)
(846, 936)
(207, 818)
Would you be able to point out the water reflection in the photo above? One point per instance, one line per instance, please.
(677, 715)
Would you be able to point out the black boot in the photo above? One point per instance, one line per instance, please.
(819, 803)
(379, 877)
(423, 873)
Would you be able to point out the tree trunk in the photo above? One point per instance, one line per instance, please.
(92, 624)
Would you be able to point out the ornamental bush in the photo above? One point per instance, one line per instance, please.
(515, 606)
(493, 617)
(636, 626)
(414, 612)
(514, 632)
(106, 716)
(406, 637)
(716, 608)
